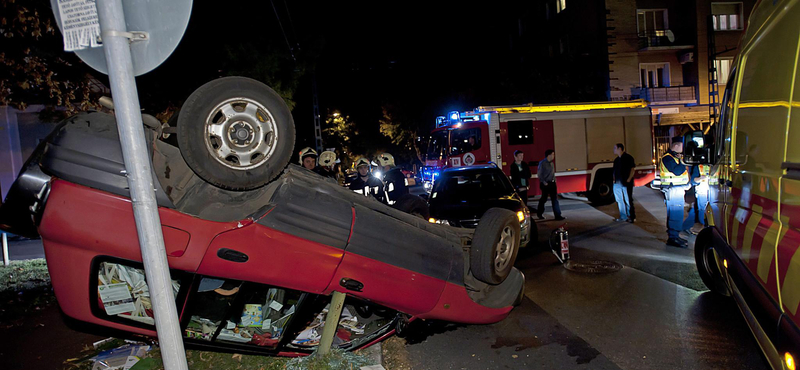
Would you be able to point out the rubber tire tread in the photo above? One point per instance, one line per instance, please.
(191, 133)
(701, 245)
(486, 237)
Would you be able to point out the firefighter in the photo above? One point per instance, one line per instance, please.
(325, 165)
(308, 158)
(698, 180)
(675, 182)
(365, 183)
(394, 182)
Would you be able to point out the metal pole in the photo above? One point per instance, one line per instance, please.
(5, 250)
(140, 181)
(331, 323)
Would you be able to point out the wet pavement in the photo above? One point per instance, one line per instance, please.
(654, 313)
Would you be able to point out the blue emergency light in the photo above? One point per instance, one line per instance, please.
(454, 116)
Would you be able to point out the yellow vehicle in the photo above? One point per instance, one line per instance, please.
(750, 250)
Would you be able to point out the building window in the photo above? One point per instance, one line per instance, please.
(654, 75)
(723, 70)
(726, 16)
(651, 22)
(561, 5)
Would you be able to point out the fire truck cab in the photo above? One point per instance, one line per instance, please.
(583, 136)
(750, 249)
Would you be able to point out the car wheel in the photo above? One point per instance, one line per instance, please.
(495, 246)
(603, 190)
(236, 133)
(413, 204)
(707, 265)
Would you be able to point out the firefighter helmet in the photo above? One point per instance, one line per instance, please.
(326, 158)
(362, 161)
(307, 152)
(386, 159)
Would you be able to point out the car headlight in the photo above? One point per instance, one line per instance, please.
(521, 216)
(440, 222)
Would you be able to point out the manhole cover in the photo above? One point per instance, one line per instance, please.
(592, 267)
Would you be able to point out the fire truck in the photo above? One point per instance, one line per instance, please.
(582, 134)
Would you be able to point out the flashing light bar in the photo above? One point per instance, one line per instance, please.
(530, 108)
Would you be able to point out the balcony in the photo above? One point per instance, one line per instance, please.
(668, 95)
(661, 40)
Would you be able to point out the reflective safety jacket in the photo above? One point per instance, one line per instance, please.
(670, 163)
(372, 187)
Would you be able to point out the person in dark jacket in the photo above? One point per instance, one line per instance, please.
(547, 183)
(365, 183)
(624, 170)
(394, 181)
(521, 175)
(325, 165)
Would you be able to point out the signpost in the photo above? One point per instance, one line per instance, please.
(152, 31)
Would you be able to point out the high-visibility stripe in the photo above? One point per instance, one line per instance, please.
(768, 249)
(790, 291)
(734, 237)
(749, 230)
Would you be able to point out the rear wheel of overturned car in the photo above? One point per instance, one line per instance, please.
(236, 133)
(495, 246)
(706, 261)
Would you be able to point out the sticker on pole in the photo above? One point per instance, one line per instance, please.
(80, 25)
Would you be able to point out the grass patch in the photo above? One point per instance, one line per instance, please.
(24, 275)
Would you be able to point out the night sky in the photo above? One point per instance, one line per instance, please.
(427, 57)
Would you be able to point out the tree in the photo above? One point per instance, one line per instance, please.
(34, 69)
(403, 133)
(340, 132)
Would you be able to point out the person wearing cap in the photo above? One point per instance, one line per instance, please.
(674, 183)
(394, 182)
(308, 158)
(325, 164)
(365, 183)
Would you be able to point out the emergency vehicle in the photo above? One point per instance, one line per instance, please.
(750, 248)
(582, 134)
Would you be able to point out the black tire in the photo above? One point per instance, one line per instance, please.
(488, 247)
(707, 265)
(414, 205)
(603, 189)
(236, 106)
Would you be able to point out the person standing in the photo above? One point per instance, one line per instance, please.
(521, 175)
(547, 183)
(698, 180)
(674, 182)
(393, 179)
(325, 165)
(365, 183)
(624, 169)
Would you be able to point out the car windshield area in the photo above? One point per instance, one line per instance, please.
(438, 145)
(472, 185)
(464, 140)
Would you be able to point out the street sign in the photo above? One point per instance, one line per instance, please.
(160, 24)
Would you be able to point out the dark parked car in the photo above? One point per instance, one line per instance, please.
(255, 247)
(462, 195)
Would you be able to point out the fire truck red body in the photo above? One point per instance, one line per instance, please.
(583, 136)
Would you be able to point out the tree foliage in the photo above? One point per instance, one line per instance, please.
(34, 69)
(403, 132)
(340, 132)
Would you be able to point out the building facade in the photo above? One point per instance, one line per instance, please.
(676, 54)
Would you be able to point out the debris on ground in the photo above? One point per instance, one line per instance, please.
(336, 359)
(24, 275)
(395, 354)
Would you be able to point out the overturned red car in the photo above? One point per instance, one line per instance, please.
(255, 246)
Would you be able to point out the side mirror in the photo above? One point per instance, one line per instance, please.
(696, 149)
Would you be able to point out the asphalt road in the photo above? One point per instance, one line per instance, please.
(654, 313)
